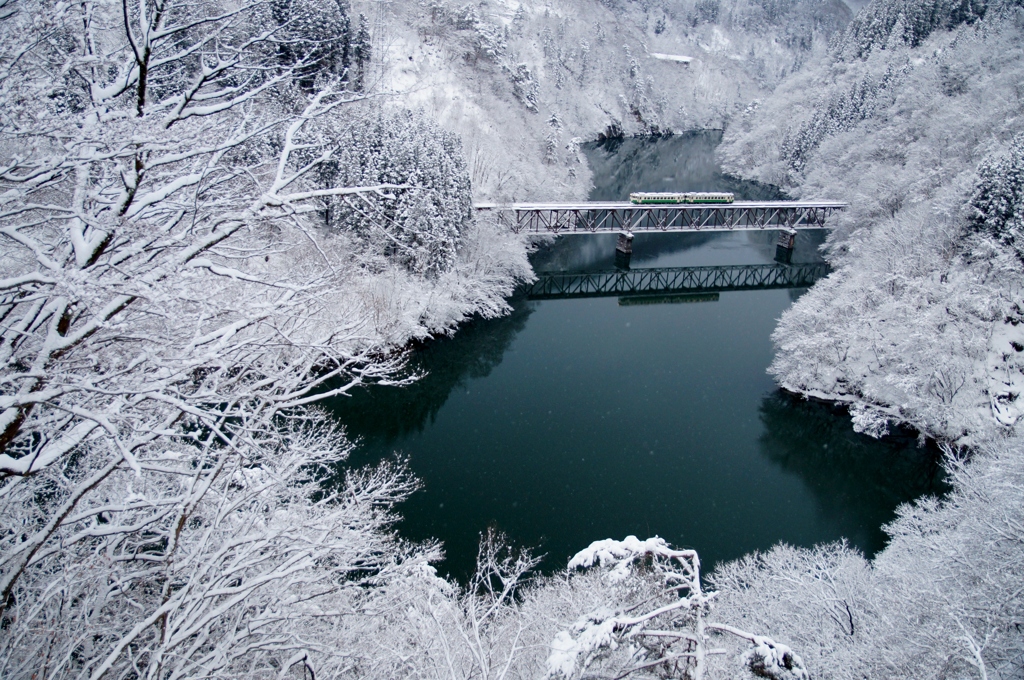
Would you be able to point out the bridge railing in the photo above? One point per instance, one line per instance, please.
(598, 217)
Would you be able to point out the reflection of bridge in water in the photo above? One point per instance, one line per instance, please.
(594, 217)
(675, 280)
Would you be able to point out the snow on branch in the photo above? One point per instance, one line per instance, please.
(169, 310)
(656, 616)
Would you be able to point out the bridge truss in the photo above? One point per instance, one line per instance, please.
(617, 217)
(561, 285)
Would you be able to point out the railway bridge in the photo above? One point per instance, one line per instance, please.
(625, 217)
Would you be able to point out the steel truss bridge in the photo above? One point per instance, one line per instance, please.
(569, 218)
(676, 280)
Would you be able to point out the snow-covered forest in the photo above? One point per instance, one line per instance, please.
(215, 214)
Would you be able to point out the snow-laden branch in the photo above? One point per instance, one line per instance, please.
(379, 189)
(174, 299)
(682, 639)
(50, 453)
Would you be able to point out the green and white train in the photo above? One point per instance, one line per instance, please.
(661, 198)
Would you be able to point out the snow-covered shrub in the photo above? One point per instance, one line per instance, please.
(418, 225)
(654, 618)
(942, 600)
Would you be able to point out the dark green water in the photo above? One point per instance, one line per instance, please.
(575, 420)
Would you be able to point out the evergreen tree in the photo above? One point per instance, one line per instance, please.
(362, 51)
(312, 35)
(554, 139)
(518, 20)
(345, 36)
(997, 205)
(419, 227)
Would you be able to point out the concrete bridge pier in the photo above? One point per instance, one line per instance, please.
(623, 249)
(625, 242)
(784, 246)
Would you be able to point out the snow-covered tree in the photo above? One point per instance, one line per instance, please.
(418, 226)
(362, 52)
(169, 310)
(997, 205)
(655, 620)
(316, 33)
(553, 143)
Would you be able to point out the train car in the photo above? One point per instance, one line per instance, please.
(668, 198)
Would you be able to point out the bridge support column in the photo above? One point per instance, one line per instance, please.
(784, 246)
(623, 249)
(625, 242)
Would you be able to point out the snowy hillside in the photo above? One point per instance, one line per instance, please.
(524, 83)
(918, 324)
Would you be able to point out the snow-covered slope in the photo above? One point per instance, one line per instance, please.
(914, 326)
(524, 82)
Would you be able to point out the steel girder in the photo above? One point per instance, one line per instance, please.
(559, 285)
(581, 219)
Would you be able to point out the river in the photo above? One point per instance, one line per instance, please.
(579, 419)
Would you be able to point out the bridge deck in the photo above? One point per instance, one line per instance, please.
(626, 205)
(614, 216)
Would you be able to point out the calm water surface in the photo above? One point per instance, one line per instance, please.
(575, 420)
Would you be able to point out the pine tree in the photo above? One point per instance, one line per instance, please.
(518, 20)
(419, 227)
(584, 61)
(362, 52)
(997, 205)
(313, 35)
(554, 139)
(345, 36)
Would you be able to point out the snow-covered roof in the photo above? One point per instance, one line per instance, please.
(672, 57)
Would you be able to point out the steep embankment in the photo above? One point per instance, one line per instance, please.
(524, 83)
